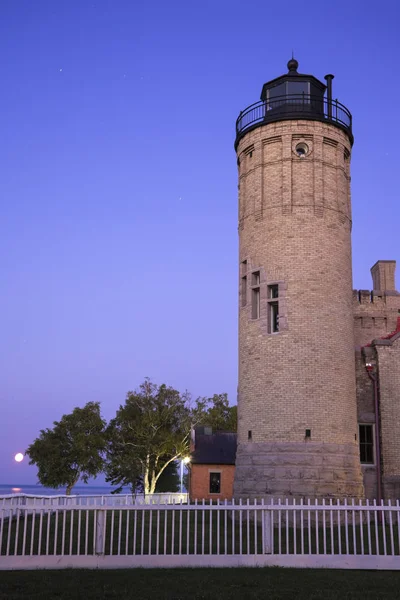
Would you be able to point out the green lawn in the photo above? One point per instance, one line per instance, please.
(196, 584)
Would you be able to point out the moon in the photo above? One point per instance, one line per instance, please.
(19, 457)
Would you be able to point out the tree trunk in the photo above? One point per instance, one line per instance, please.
(155, 477)
(153, 482)
(70, 486)
(146, 476)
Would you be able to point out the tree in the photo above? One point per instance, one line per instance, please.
(215, 412)
(148, 433)
(72, 450)
(169, 480)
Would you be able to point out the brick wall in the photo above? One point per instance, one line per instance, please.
(294, 226)
(389, 395)
(365, 392)
(375, 314)
(200, 481)
(366, 415)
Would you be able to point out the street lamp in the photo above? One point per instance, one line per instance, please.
(184, 461)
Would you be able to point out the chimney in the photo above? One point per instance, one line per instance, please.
(203, 430)
(383, 275)
(329, 94)
(192, 445)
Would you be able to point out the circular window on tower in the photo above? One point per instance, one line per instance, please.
(301, 150)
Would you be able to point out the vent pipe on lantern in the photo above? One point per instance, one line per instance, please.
(329, 92)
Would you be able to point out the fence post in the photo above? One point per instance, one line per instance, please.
(99, 525)
(268, 533)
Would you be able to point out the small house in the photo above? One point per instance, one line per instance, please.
(212, 464)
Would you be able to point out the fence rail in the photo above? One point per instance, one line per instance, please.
(31, 500)
(326, 534)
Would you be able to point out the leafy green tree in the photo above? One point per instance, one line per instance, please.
(152, 430)
(216, 412)
(73, 450)
(149, 432)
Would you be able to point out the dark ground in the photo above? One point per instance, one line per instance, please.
(196, 584)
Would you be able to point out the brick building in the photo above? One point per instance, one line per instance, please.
(212, 464)
(377, 339)
(310, 374)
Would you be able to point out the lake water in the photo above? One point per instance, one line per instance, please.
(38, 490)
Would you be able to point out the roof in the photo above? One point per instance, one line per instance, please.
(387, 338)
(291, 75)
(215, 449)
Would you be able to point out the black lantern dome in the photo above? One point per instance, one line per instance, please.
(292, 64)
(294, 96)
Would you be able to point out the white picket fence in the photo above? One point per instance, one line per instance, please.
(33, 501)
(356, 535)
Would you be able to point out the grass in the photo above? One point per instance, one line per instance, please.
(196, 584)
(167, 532)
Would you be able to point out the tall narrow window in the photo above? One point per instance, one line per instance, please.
(366, 435)
(274, 316)
(255, 295)
(243, 291)
(273, 308)
(255, 303)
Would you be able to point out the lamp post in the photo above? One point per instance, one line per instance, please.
(184, 461)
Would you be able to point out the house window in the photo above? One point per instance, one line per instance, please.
(273, 308)
(215, 483)
(366, 436)
(255, 295)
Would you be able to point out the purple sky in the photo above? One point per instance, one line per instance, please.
(118, 229)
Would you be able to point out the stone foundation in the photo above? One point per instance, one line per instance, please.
(391, 487)
(298, 470)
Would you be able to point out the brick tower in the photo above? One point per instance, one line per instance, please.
(297, 427)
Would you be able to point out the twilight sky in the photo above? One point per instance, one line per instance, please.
(118, 187)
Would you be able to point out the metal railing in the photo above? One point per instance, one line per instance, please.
(326, 534)
(294, 106)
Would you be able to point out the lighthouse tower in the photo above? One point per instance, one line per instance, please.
(297, 425)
